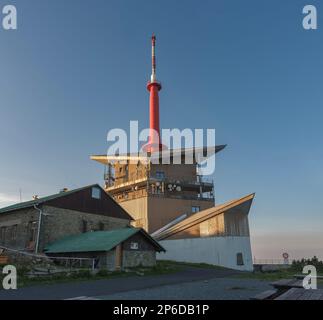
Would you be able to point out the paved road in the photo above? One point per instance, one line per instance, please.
(212, 289)
(112, 286)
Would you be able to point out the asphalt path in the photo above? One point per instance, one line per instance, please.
(106, 287)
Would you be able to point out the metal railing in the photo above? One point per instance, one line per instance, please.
(145, 193)
(182, 179)
(70, 262)
(167, 179)
(271, 261)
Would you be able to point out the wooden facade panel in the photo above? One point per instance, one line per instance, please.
(224, 224)
(216, 225)
(236, 224)
(164, 210)
(192, 232)
(152, 213)
(137, 208)
(83, 201)
(129, 172)
(177, 171)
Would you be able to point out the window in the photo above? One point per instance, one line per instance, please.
(195, 209)
(3, 234)
(14, 232)
(101, 226)
(32, 231)
(240, 259)
(134, 246)
(96, 193)
(160, 174)
(84, 226)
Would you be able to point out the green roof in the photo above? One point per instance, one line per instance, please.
(28, 204)
(97, 241)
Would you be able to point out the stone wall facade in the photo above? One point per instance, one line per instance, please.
(63, 222)
(144, 255)
(132, 259)
(18, 229)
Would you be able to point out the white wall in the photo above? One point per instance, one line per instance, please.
(221, 251)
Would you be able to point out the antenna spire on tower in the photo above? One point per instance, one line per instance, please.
(153, 58)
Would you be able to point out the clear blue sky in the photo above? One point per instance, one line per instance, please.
(75, 69)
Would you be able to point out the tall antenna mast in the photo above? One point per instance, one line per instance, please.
(153, 59)
(154, 143)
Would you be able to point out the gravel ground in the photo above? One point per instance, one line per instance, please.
(212, 289)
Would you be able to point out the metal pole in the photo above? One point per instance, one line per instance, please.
(39, 225)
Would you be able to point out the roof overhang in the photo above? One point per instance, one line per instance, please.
(175, 156)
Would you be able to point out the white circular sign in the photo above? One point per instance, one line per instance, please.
(285, 255)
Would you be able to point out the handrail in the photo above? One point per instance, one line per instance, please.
(200, 180)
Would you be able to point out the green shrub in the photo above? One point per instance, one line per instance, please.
(298, 265)
(103, 273)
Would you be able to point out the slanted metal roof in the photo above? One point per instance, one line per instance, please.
(97, 241)
(195, 153)
(243, 204)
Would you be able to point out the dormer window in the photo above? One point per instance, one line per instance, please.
(160, 174)
(134, 245)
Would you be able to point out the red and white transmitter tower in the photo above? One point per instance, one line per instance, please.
(154, 143)
(151, 192)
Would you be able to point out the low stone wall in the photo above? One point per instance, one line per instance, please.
(25, 260)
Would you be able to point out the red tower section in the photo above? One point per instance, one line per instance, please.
(154, 144)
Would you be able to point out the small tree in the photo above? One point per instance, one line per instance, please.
(298, 265)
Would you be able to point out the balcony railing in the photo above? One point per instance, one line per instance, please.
(183, 179)
(182, 196)
(144, 193)
(136, 177)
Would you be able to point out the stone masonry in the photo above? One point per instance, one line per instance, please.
(18, 230)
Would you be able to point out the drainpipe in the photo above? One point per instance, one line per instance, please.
(39, 225)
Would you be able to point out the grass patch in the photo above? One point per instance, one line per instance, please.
(266, 276)
(163, 267)
(272, 275)
(195, 265)
(83, 275)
